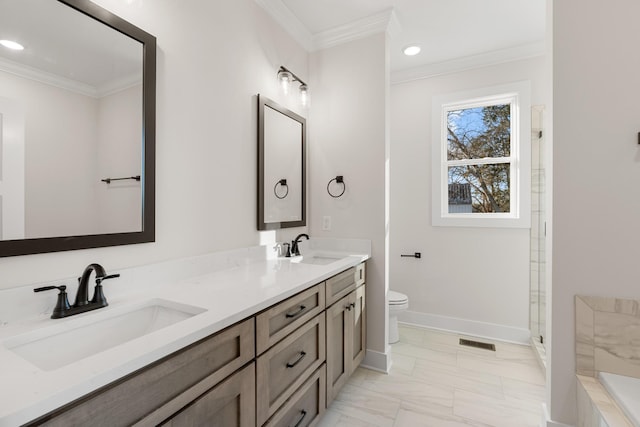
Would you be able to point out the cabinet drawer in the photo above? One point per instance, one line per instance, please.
(280, 320)
(287, 365)
(306, 405)
(145, 393)
(342, 284)
(229, 404)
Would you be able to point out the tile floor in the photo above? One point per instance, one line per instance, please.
(436, 382)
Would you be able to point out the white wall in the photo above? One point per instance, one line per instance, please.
(466, 275)
(213, 58)
(347, 136)
(72, 142)
(596, 171)
(119, 154)
(58, 124)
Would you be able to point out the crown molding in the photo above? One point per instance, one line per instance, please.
(35, 74)
(469, 62)
(385, 21)
(287, 20)
(377, 23)
(47, 78)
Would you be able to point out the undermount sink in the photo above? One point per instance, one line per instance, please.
(53, 347)
(317, 259)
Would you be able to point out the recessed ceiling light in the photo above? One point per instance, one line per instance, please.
(411, 50)
(11, 45)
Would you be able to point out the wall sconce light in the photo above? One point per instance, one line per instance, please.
(286, 77)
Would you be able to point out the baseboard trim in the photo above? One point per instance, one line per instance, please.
(465, 326)
(377, 361)
(547, 422)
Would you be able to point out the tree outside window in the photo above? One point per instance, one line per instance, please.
(475, 137)
(481, 157)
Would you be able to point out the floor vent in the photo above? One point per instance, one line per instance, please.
(478, 344)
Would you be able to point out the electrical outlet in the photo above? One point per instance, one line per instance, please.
(326, 223)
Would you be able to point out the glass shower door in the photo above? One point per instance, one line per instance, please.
(538, 228)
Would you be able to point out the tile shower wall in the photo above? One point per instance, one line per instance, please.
(607, 336)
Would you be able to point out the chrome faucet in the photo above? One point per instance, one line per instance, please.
(82, 303)
(295, 251)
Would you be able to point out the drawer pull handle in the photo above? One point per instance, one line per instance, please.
(292, 364)
(297, 313)
(350, 306)
(304, 414)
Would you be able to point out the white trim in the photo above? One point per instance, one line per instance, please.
(520, 215)
(287, 20)
(377, 361)
(465, 326)
(385, 21)
(41, 76)
(471, 62)
(374, 24)
(546, 420)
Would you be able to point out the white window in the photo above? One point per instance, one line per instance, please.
(482, 157)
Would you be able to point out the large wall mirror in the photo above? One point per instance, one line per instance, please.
(281, 166)
(77, 128)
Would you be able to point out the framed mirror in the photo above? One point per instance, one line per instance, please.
(281, 166)
(77, 128)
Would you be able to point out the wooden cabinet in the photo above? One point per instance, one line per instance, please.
(346, 335)
(229, 404)
(153, 394)
(266, 370)
(287, 365)
(280, 320)
(306, 406)
(343, 283)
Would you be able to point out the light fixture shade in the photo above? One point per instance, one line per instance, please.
(304, 95)
(285, 78)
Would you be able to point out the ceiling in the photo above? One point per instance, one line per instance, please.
(451, 33)
(66, 48)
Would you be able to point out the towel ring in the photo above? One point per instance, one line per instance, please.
(339, 180)
(282, 182)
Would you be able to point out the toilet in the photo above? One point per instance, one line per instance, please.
(398, 303)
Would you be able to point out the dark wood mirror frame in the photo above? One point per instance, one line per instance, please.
(262, 225)
(65, 243)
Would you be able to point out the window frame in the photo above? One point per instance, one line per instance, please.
(519, 215)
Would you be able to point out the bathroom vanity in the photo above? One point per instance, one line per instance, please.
(274, 350)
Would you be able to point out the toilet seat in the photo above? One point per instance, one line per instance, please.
(398, 302)
(396, 298)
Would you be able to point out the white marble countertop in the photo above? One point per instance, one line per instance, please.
(228, 295)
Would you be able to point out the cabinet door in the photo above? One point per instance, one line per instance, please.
(338, 344)
(229, 404)
(359, 325)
